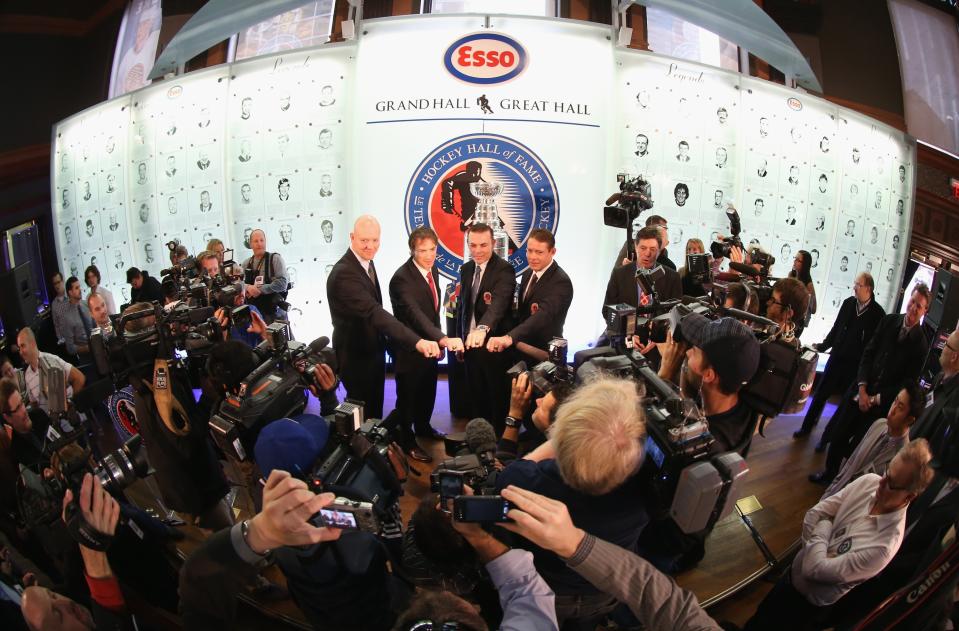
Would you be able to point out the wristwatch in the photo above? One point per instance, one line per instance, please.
(512, 422)
(239, 535)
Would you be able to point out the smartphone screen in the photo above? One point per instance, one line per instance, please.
(481, 508)
(338, 519)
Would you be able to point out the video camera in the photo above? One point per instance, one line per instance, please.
(623, 207)
(365, 470)
(274, 389)
(474, 464)
(546, 374)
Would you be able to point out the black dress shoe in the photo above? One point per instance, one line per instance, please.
(417, 453)
(822, 478)
(801, 433)
(432, 432)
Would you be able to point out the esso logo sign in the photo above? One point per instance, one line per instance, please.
(485, 58)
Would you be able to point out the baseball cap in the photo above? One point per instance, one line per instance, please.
(291, 444)
(729, 345)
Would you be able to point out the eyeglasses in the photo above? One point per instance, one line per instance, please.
(887, 481)
(773, 301)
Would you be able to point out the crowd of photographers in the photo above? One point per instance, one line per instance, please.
(580, 486)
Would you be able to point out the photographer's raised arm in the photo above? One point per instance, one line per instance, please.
(213, 575)
(652, 596)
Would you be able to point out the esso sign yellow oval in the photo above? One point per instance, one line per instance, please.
(485, 58)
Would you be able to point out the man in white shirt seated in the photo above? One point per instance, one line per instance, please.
(883, 439)
(847, 538)
(38, 365)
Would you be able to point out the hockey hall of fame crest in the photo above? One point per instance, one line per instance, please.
(481, 178)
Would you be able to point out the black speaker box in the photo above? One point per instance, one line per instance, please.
(19, 304)
(944, 308)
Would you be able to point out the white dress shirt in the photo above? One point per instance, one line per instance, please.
(843, 545)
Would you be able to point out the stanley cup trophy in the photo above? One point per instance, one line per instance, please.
(486, 213)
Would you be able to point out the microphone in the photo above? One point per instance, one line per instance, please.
(613, 199)
(319, 344)
(481, 437)
(742, 268)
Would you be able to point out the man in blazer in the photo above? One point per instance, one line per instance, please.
(623, 288)
(361, 326)
(855, 324)
(893, 356)
(545, 293)
(414, 294)
(938, 421)
(486, 292)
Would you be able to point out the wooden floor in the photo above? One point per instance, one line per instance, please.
(777, 478)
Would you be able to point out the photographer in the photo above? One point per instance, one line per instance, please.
(543, 414)
(743, 297)
(589, 463)
(787, 307)
(690, 286)
(44, 609)
(653, 598)
(28, 439)
(175, 434)
(333, 581)
(143, 287)
(265, 279)
(215, 572)
(717, 358)
(38, 368)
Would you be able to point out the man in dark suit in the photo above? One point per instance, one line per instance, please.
(487, 283)
(414, 293)
(937, 422)
(857, 320)
(663, 257)
(545, 293)
(623, 288)
(893, 356)
(362, 328)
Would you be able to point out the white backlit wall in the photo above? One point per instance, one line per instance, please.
(301, 143)
(804, 173)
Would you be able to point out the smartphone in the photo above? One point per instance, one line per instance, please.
(347, 514)
(451, 485)
(480, 508)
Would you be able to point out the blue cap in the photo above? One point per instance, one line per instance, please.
(291, 445)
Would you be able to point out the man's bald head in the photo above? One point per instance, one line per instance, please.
(258, 242)
(98, 308)
(949, 359)
(365, 238)
(44, 609)
(27, 343)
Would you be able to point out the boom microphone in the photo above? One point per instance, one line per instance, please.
(319, 344)
(480, 436)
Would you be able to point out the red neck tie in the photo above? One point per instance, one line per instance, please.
(644, 299)
(429, 281)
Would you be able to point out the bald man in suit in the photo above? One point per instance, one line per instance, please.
(362, 328)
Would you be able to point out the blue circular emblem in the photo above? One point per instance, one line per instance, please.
(439, 195)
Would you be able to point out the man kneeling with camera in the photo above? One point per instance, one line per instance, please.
(589, 463)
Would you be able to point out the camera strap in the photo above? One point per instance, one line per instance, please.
(168, 405)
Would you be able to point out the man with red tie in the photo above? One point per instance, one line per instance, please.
(362, 328)
(545, 293)
(414, 293)
(623, 288)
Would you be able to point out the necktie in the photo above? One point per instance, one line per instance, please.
(529, 288)
(429, 281)
(371, 272)
(643, 298)
(87, 327)
(474, 293)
